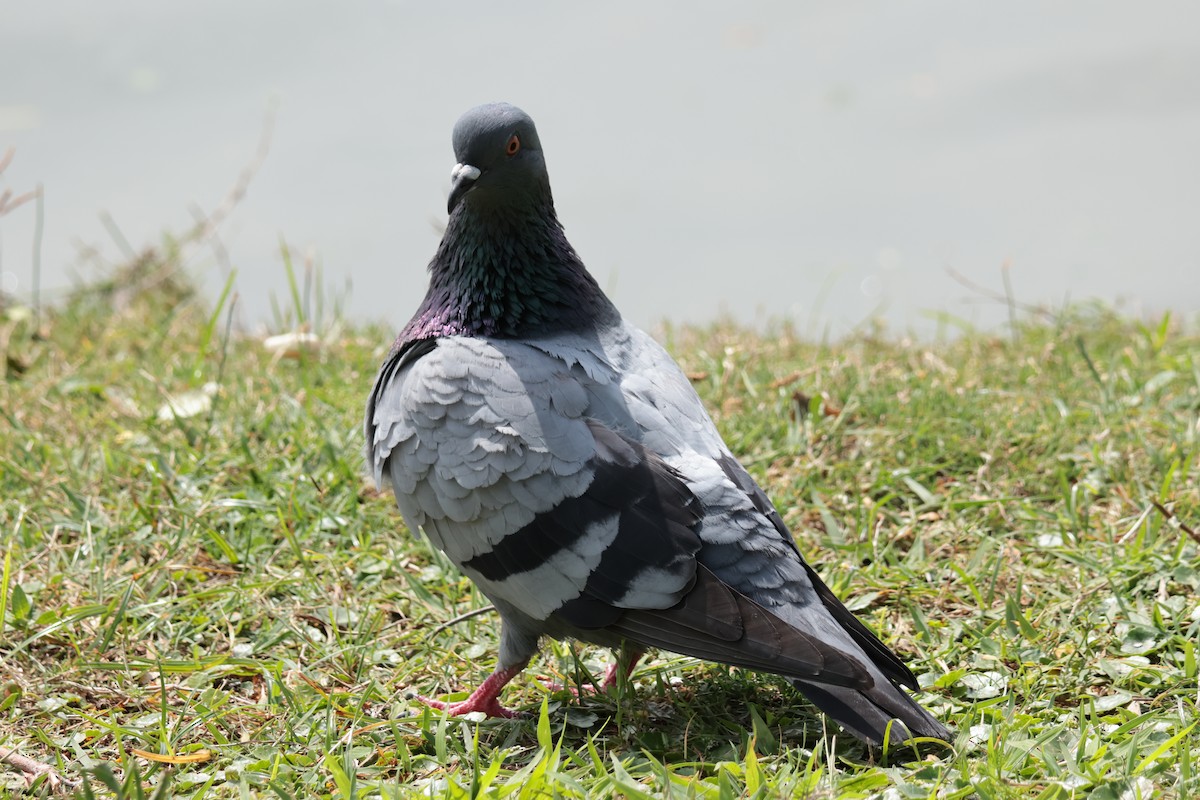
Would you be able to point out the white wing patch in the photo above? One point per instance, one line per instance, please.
(540, 592)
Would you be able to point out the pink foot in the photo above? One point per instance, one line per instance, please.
(615, 671)
(555, 686)
(490, 706)
(485, 698)
(611, 675)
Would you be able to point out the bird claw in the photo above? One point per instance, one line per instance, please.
(611, 674)
(484, 699)
(488, 705)
(585, 689)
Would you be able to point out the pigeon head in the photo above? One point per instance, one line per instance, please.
(504, 267)
(499, 158)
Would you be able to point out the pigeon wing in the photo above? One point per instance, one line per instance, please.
(490, 451)
(559, 516)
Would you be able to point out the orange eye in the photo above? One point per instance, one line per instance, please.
(514, 144)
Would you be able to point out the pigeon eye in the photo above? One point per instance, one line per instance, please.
(514, 144)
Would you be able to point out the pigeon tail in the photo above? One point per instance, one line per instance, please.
(867, 714)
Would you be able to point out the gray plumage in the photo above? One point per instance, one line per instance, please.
(563, 461)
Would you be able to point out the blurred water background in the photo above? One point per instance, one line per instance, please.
(829, 164)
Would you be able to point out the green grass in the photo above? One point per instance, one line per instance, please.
(228, 587)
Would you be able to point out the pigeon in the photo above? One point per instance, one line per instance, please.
(563, 461)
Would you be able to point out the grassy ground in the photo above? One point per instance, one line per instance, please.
(224, 590)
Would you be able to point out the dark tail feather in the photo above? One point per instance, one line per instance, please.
(867, 715)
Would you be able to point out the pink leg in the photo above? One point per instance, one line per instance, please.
(617, 667)
(485, 698)
(624, 663)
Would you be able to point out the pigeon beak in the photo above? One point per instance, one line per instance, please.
(462, 180)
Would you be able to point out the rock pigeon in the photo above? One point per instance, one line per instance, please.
(563, 461)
